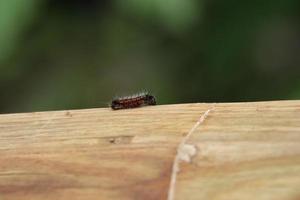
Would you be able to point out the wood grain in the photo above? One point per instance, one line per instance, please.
(243, 151)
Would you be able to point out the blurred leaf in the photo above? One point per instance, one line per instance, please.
(175, 15)
(15, 16)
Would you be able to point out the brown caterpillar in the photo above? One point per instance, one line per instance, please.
(138, 100)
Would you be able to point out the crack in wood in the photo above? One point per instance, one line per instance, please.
(185, 152)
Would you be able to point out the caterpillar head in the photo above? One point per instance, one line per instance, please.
(150, 99)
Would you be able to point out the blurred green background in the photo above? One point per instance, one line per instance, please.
(62, 54)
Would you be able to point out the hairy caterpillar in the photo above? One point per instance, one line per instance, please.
(138, 100)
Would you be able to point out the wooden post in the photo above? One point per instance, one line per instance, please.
(186, 151)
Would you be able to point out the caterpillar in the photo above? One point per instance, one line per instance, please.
(134, 101)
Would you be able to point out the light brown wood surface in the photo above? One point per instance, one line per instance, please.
(237, 151)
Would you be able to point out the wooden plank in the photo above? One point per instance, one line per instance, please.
(237, 151)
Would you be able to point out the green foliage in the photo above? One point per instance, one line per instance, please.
(15, 17)
(63, 55)
(174, 15)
